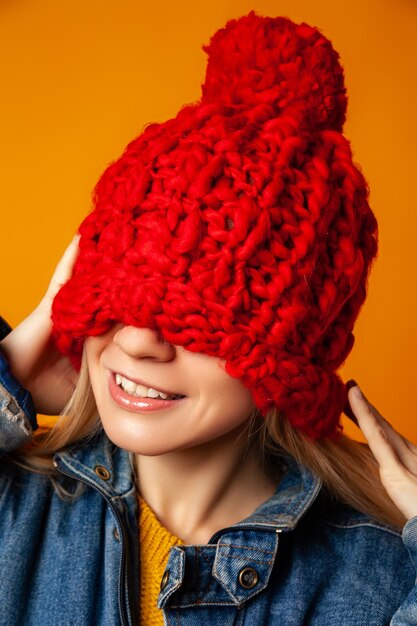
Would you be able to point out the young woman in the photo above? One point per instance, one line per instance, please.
(193, 330)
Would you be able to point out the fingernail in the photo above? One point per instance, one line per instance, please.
(351, 383)
(349, 413)
(347, 410)
(358, 393)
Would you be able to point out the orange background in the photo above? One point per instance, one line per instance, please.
(80, 78)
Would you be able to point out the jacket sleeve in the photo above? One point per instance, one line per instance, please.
(17, 411)
(407, 613)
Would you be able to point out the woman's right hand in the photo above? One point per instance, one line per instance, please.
(31, 353)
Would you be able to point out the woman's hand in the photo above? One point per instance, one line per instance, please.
(30, 351)
(396, 456)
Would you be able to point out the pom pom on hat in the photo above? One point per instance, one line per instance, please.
(292, 68)
(241, 228)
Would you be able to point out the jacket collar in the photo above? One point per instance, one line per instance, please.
(98, 462)
(296, 492)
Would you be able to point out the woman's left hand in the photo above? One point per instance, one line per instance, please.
(32, 354)
(396, 456)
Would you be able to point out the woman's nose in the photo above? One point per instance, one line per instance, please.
(142, 343)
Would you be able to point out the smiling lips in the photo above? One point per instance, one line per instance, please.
(141, 391)
(135, 397)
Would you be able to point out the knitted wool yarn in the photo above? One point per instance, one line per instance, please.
(240, 228)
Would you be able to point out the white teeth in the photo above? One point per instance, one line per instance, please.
(140, 390)
(129, 386)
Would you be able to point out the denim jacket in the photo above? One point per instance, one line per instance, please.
(300, 558)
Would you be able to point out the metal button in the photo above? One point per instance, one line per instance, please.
(248, 578)
(102, 472)
(165, 579)
(116, 533)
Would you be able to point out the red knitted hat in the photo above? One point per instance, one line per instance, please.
(241, 228)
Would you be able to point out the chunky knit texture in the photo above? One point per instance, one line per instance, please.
(240, 228)
(155, 542)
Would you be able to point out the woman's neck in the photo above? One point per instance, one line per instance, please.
(197, 491)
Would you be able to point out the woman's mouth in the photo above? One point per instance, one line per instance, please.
(141, 391)
(136, 397)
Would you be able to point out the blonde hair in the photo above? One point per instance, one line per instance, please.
(79, 420)
(347, 468)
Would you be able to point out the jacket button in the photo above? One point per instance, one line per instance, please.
(116, 533)
(102, 472)
(248, 578)
(165, 579)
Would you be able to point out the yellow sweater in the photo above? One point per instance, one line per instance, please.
(155, 542)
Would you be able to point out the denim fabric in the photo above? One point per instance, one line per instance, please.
(16, 409)
(407, 614)
(308, 560)
(67, 561)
